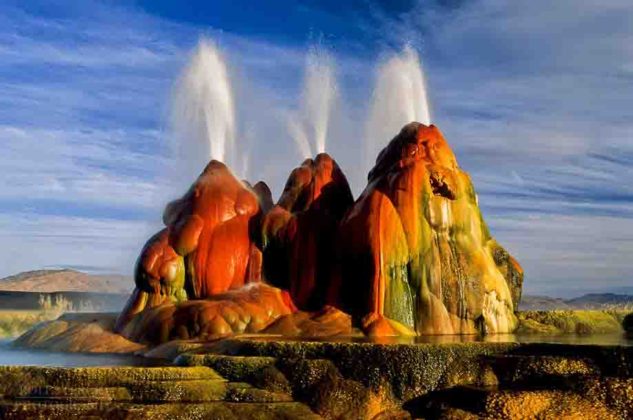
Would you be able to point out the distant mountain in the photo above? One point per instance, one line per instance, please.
(541, 303)
(588, 301)
(599, 300)
(47, 281)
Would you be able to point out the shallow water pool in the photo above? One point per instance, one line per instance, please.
(12, 356)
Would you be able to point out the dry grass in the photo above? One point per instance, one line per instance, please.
(15, 322)
(571, 321)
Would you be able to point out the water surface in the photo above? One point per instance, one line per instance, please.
(13, 356)
(610, 339)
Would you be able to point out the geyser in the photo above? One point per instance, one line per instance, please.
(319, 92)
(412, 255)
(203, 110)
(399, 97)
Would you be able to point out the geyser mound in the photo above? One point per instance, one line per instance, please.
(412, 255)
(206, 246)
(414, 247)
(298, 233)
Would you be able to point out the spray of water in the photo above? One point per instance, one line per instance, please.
(309, 128)
(399, 97)
(203, 108)
(203, 112)
(298, 134)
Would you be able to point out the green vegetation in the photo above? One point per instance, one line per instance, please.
(571, 321)
(15, 322)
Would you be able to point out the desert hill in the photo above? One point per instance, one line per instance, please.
(588, 301)
(65, 280)
(599, 300)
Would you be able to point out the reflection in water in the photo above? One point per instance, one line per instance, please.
(593, 339)
(12, 356)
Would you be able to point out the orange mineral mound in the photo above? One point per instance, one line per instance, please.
(206, 247)
(247, 310)
(415, 249)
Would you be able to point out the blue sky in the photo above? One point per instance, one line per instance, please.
(535, 97)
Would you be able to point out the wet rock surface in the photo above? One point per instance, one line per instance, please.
(87, 333)
(460, 380)
(137, 392)
(205, 248)
(246, 310)
(298, 234)
(259, 377)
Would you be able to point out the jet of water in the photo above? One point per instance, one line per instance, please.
(399, 97)
(203, 111)
(298, 134)
(310, 128)
(319, 94)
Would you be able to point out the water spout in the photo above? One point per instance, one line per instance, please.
(203, 111)
(299, 136)
(309, 128)
(399, 97)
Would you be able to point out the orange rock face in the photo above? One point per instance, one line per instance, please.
(206, 248)
(159, 278)
(210, 227)
(297, 233)
(414, 248)
(247, 310)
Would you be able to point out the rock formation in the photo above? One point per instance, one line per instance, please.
(298, 233)
(414, 253)
(411, 256)
(206, 247)
(246, 310)
(193, 278)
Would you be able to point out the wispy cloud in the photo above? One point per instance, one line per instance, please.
(36, 241)
(81, 136)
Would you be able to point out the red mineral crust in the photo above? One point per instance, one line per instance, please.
(206, 248)
(247, 310)
(159, 278)
(298, 233)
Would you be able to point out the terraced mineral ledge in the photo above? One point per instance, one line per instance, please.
(272, 377)
(399, 304)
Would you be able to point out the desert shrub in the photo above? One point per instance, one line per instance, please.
(58, 305)
(15, 323)
(570, 321)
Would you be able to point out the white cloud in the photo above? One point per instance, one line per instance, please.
(92, 167)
